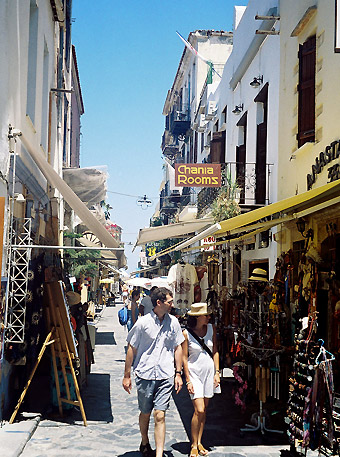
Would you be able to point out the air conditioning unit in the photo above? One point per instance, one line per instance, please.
(211, 110)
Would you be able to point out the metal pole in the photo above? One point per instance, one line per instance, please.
(42, 246)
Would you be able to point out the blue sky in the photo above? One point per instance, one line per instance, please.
(128, 53)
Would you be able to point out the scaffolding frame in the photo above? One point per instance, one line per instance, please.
(18, 276)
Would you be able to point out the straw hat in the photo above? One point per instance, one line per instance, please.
(199, 309)
(258, 274)
(73, 298)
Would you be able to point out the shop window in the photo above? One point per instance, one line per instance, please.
(306, 91)
(250, 247)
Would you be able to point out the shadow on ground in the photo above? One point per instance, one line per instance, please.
(105, 338)
(96, 399)
(224, 420)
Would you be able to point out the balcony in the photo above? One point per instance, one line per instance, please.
(204, 200)
(253, 181)
(179, 121)
(169, 146)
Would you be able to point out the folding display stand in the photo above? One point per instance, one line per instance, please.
(261, 419)
(63, 346)
(260, 354)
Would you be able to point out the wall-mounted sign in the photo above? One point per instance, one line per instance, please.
(325, 157)
(198, 175)
(209, 240)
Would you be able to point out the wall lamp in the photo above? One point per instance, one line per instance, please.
(238, 109)
(256, 82)
(301, 226)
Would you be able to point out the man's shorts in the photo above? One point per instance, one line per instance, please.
(154, 394)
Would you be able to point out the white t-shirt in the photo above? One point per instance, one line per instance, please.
(182, 279)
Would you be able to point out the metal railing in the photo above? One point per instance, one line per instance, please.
(253, 181)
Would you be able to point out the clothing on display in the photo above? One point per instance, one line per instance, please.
(182, 278)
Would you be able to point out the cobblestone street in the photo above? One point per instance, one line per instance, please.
(112, 415)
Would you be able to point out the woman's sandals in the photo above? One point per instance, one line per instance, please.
(194, 452)
(199, 450)
(202, 450)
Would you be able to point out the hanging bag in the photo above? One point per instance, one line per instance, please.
(123, 315)
(201, 342)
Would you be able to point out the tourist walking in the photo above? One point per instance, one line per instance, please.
(154, 349)
(133, 310)
(146, 305)
(201, 369)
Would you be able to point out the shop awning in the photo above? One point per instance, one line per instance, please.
(287, 209)
(288, 205)
(75, 203)
(163, 232)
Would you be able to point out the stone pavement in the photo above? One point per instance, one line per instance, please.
(112, 415)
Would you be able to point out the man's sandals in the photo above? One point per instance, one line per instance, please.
(199, 450)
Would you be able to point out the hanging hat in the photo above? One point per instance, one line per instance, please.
(199, 309)
(258, 274)
(73, 298)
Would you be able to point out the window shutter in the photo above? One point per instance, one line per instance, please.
(306, 89)
(241, 170)
(217, 147)
(261, 163)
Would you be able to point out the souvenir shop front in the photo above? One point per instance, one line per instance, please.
(280, 335)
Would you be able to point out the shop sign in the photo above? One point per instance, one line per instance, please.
(209, 240)
(198, 175)
(325, 157)
(143, 259)
(152, 249)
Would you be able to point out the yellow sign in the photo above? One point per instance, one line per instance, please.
(198, 175)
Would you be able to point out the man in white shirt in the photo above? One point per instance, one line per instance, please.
(154, 347)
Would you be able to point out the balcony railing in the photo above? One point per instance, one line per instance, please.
(205, 198)
(169, 146)
(253, 181)
(179, 121)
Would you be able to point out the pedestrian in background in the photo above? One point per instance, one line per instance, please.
(133, 310)
(146, 305)
(154, 348)
(201, 369)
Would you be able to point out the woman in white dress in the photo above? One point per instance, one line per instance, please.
(201, 369)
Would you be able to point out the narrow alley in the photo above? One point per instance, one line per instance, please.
(113, 415)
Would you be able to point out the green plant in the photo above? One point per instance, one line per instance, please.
(226, 206)
(106, 208)
(80, 262)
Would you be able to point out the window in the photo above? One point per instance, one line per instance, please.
(45, 101)
(306, 91)
(224, 116)
(32, 61)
